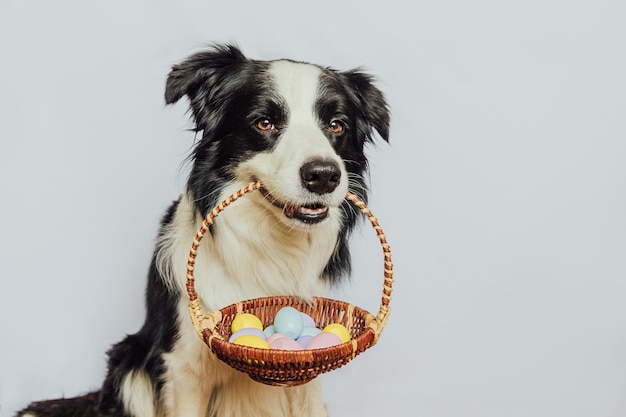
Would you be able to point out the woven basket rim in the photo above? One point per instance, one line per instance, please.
(271, 351)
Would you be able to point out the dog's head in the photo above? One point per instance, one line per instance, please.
(298, 128)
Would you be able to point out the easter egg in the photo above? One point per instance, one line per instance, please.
(252, 341)
(269, 330)
(307, 320)
(288, 321)
(304, 340)
(339, 330)
(310, 331)
(323, 340)
(247, 330)
(245, 321)
(275, 337)
(285, 343)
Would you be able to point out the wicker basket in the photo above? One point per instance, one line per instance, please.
(288, 367)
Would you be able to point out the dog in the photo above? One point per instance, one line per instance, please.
(301, 130)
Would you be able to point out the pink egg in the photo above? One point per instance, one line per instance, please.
(323, 340)
(285, 343)
(276, 336)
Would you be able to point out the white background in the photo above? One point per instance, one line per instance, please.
(503, 192)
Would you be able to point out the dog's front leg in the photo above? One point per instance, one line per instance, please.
(189, 379)
(185, 393)
(306, 400)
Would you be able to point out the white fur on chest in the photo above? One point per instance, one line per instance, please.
(249, 255)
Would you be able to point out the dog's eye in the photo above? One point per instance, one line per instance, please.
(264, 124)
(336, 127)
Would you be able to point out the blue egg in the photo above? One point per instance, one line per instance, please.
(310, 331)
(269, 330)
(288, 321)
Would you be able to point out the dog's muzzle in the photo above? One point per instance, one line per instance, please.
(308, 213)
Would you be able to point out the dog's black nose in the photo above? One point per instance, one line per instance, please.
(320, 177)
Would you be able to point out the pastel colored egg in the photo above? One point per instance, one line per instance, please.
(251, 340)
(285, 343)
(304, 340)
(275, 337)
(307, 320)
(339, 330)
(248, 330)
(269, 330)
(245, 321)
(310, 331)
(288, 321)
(323, 340)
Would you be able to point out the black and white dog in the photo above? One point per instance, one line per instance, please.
(301, 130)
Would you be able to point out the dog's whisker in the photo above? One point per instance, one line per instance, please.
(350, 208)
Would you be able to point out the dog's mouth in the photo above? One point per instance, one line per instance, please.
(307, 213)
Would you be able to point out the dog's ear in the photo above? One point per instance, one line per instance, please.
(375, 111)
(201, 76)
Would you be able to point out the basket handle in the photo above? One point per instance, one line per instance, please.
(379, 322)
(210, 321)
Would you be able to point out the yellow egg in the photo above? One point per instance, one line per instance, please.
(246, 321)
(338, 330)
(251, 341)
